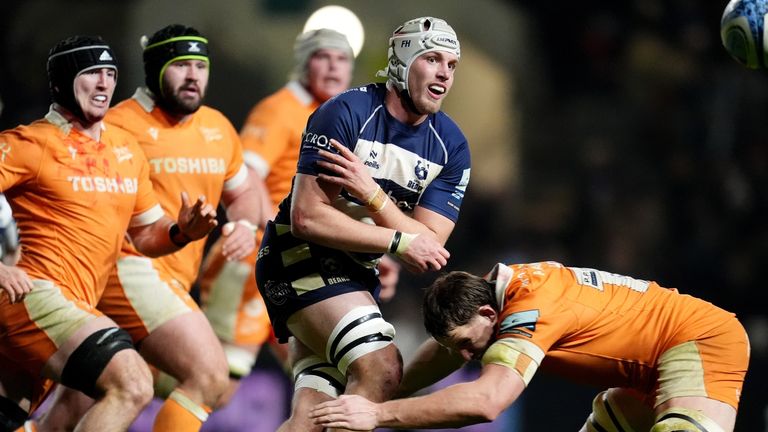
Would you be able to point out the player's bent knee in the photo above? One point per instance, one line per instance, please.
(685, 420)
(212, 381)
(613, 413)
(361, 331)
(316, 373)
(12, 416)
(604, 417)
(88, 360)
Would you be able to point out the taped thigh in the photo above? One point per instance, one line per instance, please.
(88, 360)
(315, 373)
(685, 420)
(361, 331)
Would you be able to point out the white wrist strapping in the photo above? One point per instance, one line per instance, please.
(400, 242)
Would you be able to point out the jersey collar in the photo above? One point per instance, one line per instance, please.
(65, 126)
(301, 93)
(500, 276)
(145, 99)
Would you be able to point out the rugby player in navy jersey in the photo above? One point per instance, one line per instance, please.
(381, 170)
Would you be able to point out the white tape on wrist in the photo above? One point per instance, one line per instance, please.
(400, 242)
(248, 224)
(230, 226)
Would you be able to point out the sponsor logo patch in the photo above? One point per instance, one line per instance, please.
(277, 292)
(518, 322)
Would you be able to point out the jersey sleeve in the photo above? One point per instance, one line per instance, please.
(237, 173)
(445, 193)
(333, 120)
(19, 159)
(537, 319)
(147, 209)
(265, 138)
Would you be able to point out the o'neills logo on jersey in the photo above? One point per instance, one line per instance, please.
(317, 140)
(189, 165)
(104, 184)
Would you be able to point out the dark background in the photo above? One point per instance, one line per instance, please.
(615, 136)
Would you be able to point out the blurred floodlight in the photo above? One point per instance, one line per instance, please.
(340, 19)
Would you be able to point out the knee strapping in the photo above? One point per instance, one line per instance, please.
(611, 413)
(12, 416)
(88, 361)
(361, 331)
(684, 420)
(315, 373)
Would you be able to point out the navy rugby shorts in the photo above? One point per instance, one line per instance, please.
(292, 274)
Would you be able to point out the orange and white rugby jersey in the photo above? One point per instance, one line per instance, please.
(593, 326)
(73, 199)
(202, 156)
(271, 137)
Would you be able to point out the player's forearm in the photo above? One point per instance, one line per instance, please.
(154, 240)
(330, 227)
(392, 217)
(421, 221)
(455, 406)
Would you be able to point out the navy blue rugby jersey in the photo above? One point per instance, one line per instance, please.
(426, 165)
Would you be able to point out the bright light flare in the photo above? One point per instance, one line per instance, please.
(340, 19)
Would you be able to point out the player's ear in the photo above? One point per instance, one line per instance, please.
(486, 311)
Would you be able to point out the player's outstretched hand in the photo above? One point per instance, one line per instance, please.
(14, 282)
(239, 239)
(350, 172)
(423, 253)
(347, 412)
(196, 220)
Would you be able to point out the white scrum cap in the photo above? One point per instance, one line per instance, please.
(311, 41)
(412, 39)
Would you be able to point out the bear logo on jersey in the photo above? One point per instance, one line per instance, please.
(421, 170)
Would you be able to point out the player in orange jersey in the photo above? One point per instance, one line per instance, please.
(192, 147)
(75, 186)
(671, 362)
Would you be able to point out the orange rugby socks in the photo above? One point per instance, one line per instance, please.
(179, 413)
